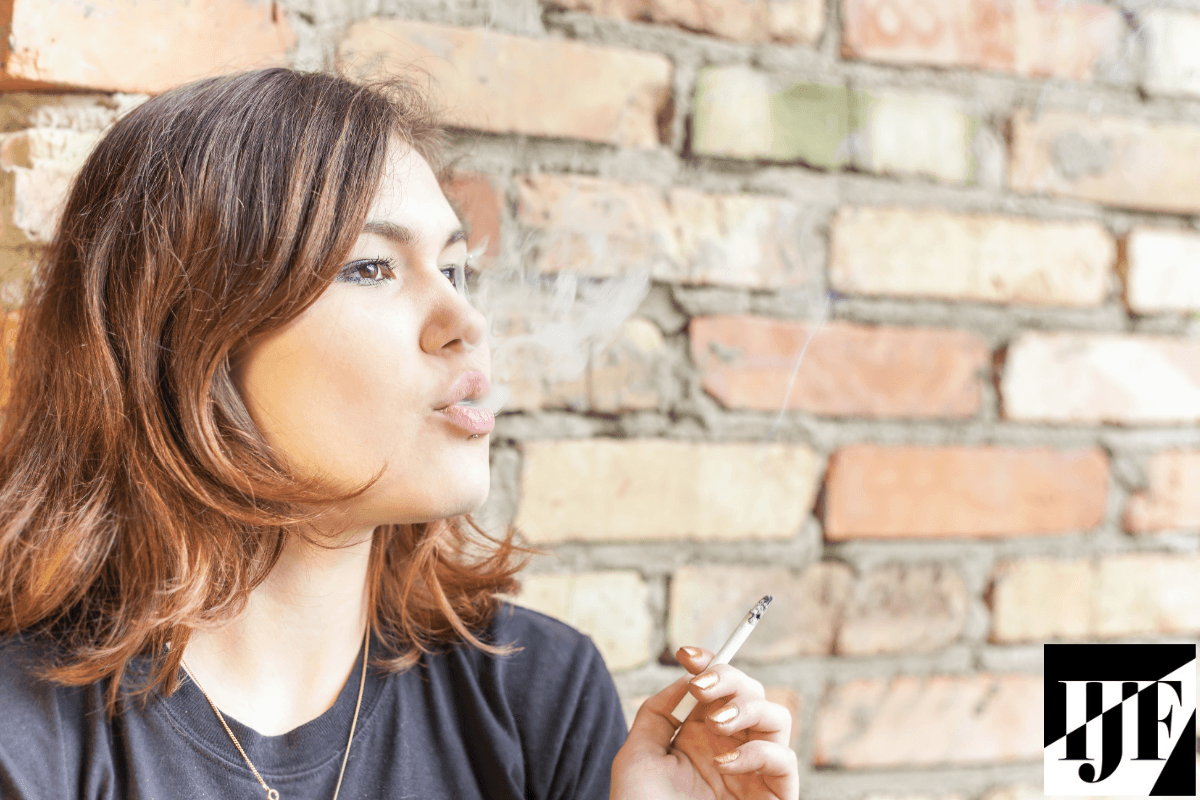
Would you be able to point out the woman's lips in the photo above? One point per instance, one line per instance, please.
(470, 418)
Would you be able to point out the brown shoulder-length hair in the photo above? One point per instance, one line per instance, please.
(138, 500)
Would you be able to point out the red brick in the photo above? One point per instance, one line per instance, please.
(990, 258)
(1118, 161)
(847, 369)
(602, 228)
(127, 46)
(515, 84)
(916, 492)
(1090, 378)
(1039, 38)
(1172, 500)
(784, 21)
(898, 608)
(479, 205)
(924, 721)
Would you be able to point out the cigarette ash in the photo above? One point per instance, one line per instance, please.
(757, 612)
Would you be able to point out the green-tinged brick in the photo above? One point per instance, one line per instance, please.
(740, 114)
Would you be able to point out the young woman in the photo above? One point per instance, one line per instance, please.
(235, 478)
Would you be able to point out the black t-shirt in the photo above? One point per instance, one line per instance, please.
(545, 722)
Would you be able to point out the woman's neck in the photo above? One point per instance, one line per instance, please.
(284, 660)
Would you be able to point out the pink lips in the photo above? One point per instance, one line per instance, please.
(470, 419)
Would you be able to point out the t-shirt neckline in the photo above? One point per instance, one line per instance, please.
(304, 748)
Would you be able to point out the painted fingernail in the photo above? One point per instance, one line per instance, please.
(724, 715)
(705, 680)
(692, 652)
(727, 758)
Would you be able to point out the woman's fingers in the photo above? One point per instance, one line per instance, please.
(722, 680)
(653, 725)
(760, 719)
(776, 763)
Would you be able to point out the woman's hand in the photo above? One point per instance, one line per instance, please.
(649, 766)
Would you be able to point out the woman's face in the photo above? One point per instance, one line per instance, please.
(353, 383)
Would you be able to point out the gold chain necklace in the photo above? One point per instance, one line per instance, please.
(273, 794)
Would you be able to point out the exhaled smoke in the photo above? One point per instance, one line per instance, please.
(547, 327)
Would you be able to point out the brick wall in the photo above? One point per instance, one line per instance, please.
(987, 212)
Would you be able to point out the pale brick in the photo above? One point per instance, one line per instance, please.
(76, 112)
(36, 167)
(122, 45)
(603, 228)
(904, 609)
(921, 135)
(1102, 378)
(1162, 271)
(513, 84)
(612, 607)
(1172, 500)
(608, 490)
(783, 21)
(1172, 58)
(478, 204)
(708, 603)
(847, 369)
(632, 372)
(1128, 594)
(731, 117)
(741, 113)
(988, 258)
(1028, 37)
(1039, 599)
(915, 492)
(923, 721)
(1118, 161)
(1147, 593)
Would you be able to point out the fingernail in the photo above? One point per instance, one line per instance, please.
(692, 652)
(727, 758)
(705, 680)
(724, 715)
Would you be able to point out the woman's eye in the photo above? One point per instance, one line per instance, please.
(368, 273)
(460, 276)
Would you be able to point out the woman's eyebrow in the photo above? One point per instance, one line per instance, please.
(406, 237)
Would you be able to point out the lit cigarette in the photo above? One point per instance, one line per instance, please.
(726, 653)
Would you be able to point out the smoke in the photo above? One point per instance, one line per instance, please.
(550, 325)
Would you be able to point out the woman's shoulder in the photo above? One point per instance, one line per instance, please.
(44, 723)
(541, 635)
(28, 697)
